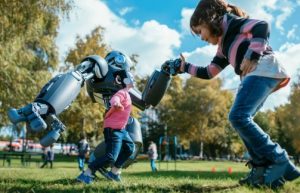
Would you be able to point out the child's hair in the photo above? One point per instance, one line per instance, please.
(211, 12)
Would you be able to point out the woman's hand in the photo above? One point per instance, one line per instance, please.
(248, 66)
(182, 62)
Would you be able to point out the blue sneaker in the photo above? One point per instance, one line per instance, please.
(114, 177)
(291, 172)
(255, 177)
(84, 178)
(274, 174)
(277, 174)
(103, 172)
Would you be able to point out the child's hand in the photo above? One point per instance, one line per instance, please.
(248, 66)
(118, 106)
(115, 107)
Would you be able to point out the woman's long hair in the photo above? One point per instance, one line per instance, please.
(211, 12)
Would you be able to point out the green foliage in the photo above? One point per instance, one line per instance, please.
(90, 45)
(288, 120)
(27, 49)
(197, 111)
(267, 121)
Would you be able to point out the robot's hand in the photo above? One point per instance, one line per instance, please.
(172, 67)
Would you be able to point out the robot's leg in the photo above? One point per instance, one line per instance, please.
(99, 151)
(134, 129)
(60, 92)
(54, 98)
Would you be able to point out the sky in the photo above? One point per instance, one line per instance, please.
(158, 30)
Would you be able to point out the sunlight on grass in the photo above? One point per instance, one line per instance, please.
(190, 176)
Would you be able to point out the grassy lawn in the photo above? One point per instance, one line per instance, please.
(190, 176)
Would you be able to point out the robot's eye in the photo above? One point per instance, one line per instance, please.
(120, 59)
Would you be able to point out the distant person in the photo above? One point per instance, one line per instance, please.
(83, 151)
(48, 157)
(44, 155)
(152, 154)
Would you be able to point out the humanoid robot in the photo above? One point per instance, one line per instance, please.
(103, 78)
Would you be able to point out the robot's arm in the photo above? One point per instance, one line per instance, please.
(155, 88)
(93, 66)
(157, 85)
(153, 92)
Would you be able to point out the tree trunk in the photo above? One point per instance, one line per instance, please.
(201, 150)
(83, 124)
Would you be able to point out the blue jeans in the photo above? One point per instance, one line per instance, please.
(119, 147)
(153, 165)
(252, 93)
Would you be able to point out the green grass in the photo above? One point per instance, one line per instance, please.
(190, 176)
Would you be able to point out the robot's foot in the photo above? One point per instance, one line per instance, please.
(50, 138)
(29, 113)
(15, 117)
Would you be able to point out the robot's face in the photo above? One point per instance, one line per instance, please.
(124, 78)
(119, 60)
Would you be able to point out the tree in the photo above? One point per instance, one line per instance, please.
(28, 53)
(198, 111)
(267, 121)
(288, 120)
(168, 108)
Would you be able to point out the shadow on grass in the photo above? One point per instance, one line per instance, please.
(200, 189)
(38, 187)
(31, 182)
(190, 174)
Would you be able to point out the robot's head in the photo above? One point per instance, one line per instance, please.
(118, 59)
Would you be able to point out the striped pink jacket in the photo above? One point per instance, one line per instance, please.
(242, 38)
